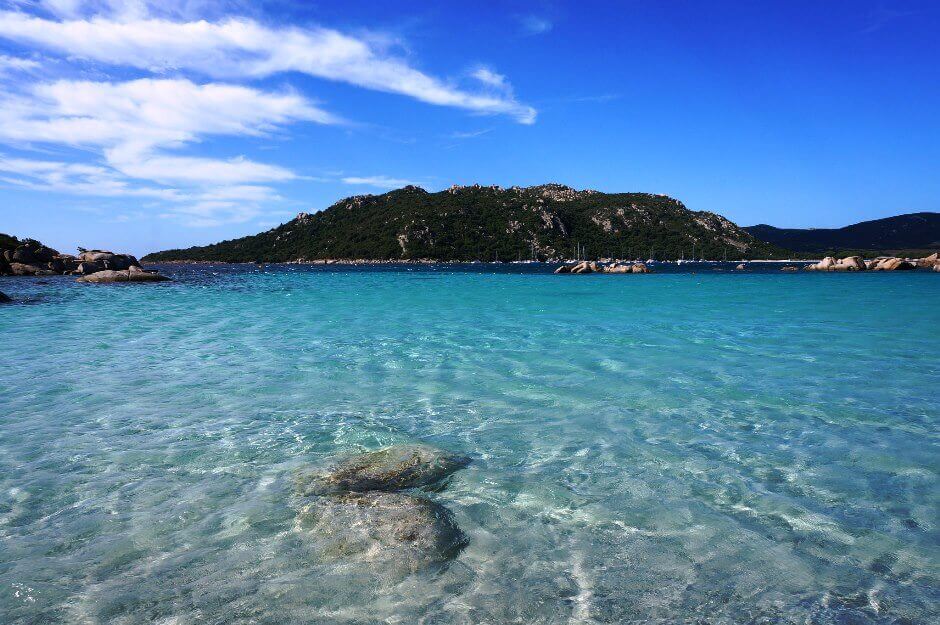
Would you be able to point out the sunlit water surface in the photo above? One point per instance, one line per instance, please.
(676, 447)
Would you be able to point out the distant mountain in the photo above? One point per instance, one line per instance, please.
(914, 231)
(491, 223)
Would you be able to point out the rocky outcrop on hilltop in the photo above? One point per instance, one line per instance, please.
(28, 257)
(359, 513)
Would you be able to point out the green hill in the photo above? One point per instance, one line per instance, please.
(918, 233)
(491, 223)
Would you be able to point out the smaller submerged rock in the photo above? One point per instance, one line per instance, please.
(4, 298)
(390, 469)
(402, 531)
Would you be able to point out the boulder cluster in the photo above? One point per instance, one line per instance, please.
(31, 258)
(884, 263)
(590, 266)
(365, 508)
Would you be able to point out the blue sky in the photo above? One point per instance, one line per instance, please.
(141, 126)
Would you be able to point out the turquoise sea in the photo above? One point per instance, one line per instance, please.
(707, 447)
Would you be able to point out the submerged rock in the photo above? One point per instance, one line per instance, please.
(389, 469)
(4, 298)
(406, 532)
(134, 274)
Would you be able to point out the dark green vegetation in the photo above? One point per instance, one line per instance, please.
(491, 223)
(914, 234)
(8, 242)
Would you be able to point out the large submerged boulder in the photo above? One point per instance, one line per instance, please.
(406, 532)
(390, 469)
(134, 274)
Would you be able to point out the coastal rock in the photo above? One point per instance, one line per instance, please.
(824, 265)
(852, 263)
(131, 275)
(31, 258)
(893, 264)
(390, 469)
(936, 267)
(95, 255)
(788, 268)
(408, 533)
(640, 268)
(741, 267)
(89, 267)
(849, 263)
(564, 269)
(22, 269)
(929, 262)
(585, 267)
(108, 260)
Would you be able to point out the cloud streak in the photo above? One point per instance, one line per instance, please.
(245, 49)
(380, 182)
(135, 127)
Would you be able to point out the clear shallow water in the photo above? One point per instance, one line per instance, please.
(663, 448)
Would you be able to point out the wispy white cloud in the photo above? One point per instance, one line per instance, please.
(469, 134)
(198, 207)
(490, 78)
(244, 48)
(535, 25)
(381, 182)
(135, 128)
(137, 137)
(132, 121)
(13, 64)
(75, 178)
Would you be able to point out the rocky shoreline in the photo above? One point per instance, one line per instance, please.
(604, 267)
(884, 263)
(29, 257)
